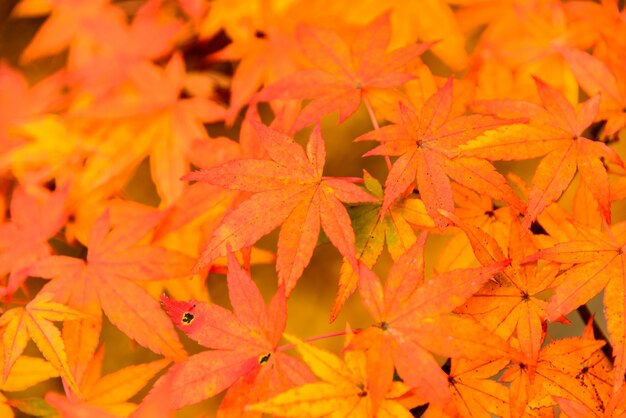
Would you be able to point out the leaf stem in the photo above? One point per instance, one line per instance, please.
(317, 337)
(586, 314)
(370, 111)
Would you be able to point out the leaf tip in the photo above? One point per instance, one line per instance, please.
(450, 216)
(539, 82)
(561, 319)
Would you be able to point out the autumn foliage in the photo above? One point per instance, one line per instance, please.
(313, 208)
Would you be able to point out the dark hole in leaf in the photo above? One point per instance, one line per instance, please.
(187, 318)
(446, 366)
(594, 131)
(419, 410)
(537, 229)
(50, 185)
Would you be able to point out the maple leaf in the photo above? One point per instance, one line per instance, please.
(615, 407)
(426, 143)
(564, 368)
(243, 358)
(556, 130)
(595, 375)
(604, 21)
(68, 20)
(266, 51)
(104, 282)
(26, 372)
(36, 216)
(371, 232)
(195, 203)
(104, 59)
(511, 302)
(20, 102)
(289, 190)
(343, 72)
(598, 259)
(480, 211)
(108, 394)
(345, 389)
(474, 393)
(51, 151)
(414, 318)
(206, 203)
(34, 321)
(201, 200)
(596, 77)
(165, 125)
(433, 19)
(521, 41)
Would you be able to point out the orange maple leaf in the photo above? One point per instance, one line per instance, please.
(21, 103)
(595, 374)
(34, 321)
(596, 77)
(473, 390)
(480, 211)
(36, 216)
(556, 130)
(413, 318)
(511, 303)
(266, 51)
(114, 47)
(104, 282)
(426, 143)
(343, 72)
(108, 395)
(345, 389)
(68, 20)
(599, 260)
(165, 125)
(564, 368)
(289, 190)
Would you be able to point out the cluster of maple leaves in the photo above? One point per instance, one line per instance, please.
(448, 88)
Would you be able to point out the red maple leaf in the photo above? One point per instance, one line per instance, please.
(243, 358)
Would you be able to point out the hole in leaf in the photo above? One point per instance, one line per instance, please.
(265, 358)
(187, 318)
(537, 229)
